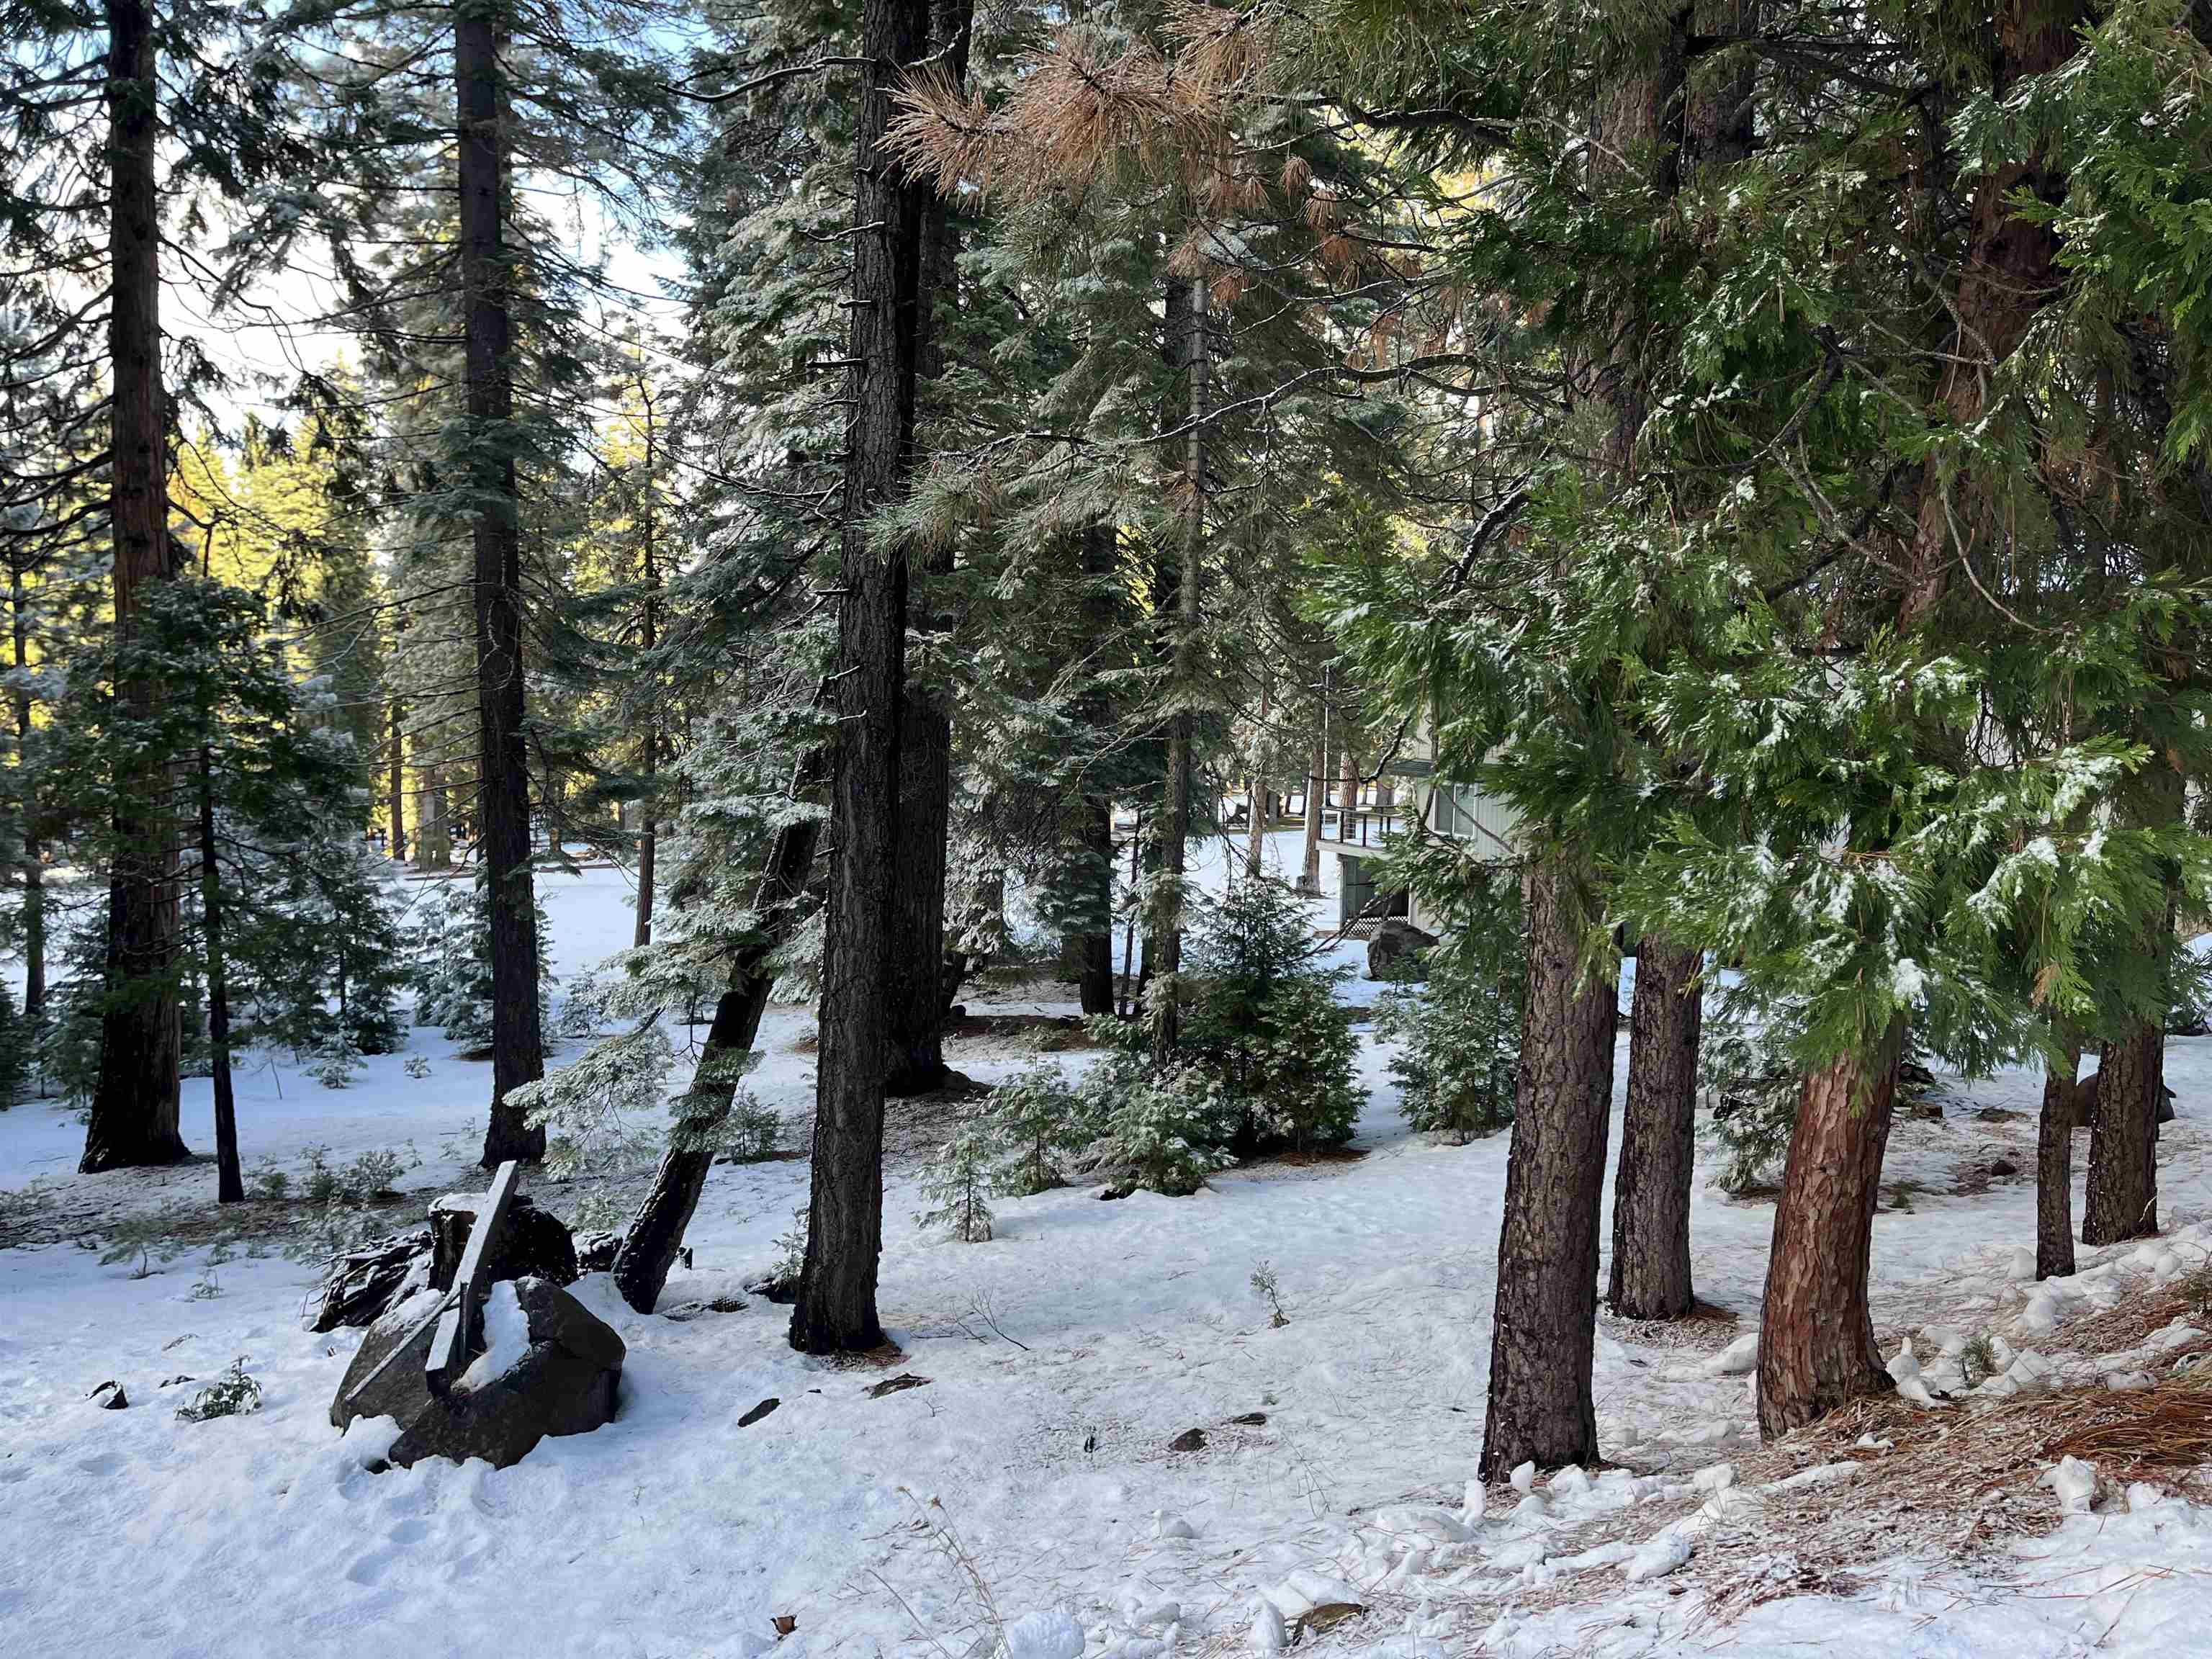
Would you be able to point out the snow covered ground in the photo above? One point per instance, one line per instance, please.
(1030, 1488)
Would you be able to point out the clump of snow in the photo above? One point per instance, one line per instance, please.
(1054, 1634)
(1737, 1358)
(1658, 1556)
(507, 1339)
(2075, 1480)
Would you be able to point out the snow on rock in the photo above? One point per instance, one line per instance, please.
(1266, 1632)
(507, 1338)
(1658, 1556)
(2075, 1480)
(1524, 1478)
(1739, 1357)
(1054, 1634)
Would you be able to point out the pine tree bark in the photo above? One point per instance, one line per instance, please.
(230, 1185)
(1309, 870)
(835, 1307)
(2010, 273)
(34, 889)
(648, 837)
(919, 963)
(1816, 1349)
(134, 1104)
(396, 782)
(1175, 806)
(502, 756)
(1650, 1273)
(1096, 804)
(2120, 1200)
(2054, 1170)
(1544, 1329)
(656, 1230)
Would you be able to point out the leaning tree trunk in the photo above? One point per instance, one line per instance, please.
(1543, 1330)
(835, 1307)
(2121, 1199)
(230, 1185)
(656, 1231)
(1176, 809)
(134, 1103)
(1816, 1349)
(503, 763)
(1650, 1277)
(2054, 1168)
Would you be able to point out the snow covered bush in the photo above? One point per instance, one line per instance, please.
(1458, 1062)
(1036, 1116)
(16, 1037)
(336, 1064)
(1167, 1130)
(1264, 1023)
(956, 1183)
(416, 1065)
(233, 1394)
(449, 961)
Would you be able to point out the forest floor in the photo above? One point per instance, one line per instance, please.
(1029, 1492)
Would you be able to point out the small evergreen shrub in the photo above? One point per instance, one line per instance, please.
(449, 961)
(233, 1394)
(1036, 1117)
(416, 1065)
(1167, 1129)
(956, 1183)
(337, 1066)
(16, 1038)
(1458, 1064)
(1744, 1066)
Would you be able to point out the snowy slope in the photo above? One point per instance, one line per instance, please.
(1033, 1473)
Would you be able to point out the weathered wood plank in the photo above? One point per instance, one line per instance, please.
(449, 1347)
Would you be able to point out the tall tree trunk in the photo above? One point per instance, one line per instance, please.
(502, 755)
(835, 1308)
(656, 1231)
(2121, 1199)
(397, 782)
(1543, 1330)
(1316, 786)
(1816, 1348)
(230, 1185)
(919, 999)
(1176, 809)
(35, 887)
(2010, 273)
(134, 1104)
(1255, 790)
(1097, 552)
(2054, 1168)
(1651, 1274)
(648, 829)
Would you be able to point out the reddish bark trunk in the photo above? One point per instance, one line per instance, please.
(1816, 1348)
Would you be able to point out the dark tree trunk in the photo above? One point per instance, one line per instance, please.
(1096, 550)
(835, 1307)
(2010, 273)
(230, 1185)
(1816, 1348)
(503, 762)
(656, 1231)
(918, 960)
(1189, 320)
(649, 828)
(134, 1104)
(1544, 1329)
(2054, 1170)
(1650, 1277)
(34, 889)
(398, 789)
(2121, 1199)
(1309, 870)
